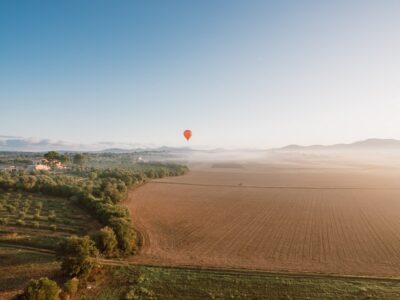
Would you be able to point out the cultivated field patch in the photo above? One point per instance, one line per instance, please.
(213, 221)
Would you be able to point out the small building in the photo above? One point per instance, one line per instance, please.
(45, 165)
(39, 165)
(9, 168)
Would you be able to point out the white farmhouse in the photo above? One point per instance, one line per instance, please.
(39, 165)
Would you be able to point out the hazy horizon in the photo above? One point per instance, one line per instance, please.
(239, 74)
(13, 143)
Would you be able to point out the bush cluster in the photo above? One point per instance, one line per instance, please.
(47, 289)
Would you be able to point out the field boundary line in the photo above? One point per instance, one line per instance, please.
(273, 187)
(28, 248)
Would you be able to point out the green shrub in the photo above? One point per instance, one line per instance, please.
(36, 217)
(126, 235)
(11, 208)
(76, 256)
(71, 286)
(39, 205)
(138, 293)
(35, 224)
(25, 208)
(3, 221)
(53, 227)
(52, 216)
(21, 215)
(106, 241)
(42, 289)
(20, 222)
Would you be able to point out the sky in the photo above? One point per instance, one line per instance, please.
(239, 74)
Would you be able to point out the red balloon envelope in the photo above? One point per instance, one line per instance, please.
(187, 134)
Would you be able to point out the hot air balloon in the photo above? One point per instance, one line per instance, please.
(187, 134)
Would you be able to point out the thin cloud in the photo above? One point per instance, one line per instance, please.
(10, 143)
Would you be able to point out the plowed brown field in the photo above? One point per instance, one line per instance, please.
(320, 221)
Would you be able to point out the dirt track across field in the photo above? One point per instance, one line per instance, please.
(330, 222)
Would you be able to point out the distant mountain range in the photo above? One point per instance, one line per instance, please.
(369, 144)
(142, 149)
(19, 144)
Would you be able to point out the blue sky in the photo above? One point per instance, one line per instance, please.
(238, 73)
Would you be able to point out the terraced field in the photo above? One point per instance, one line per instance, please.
(333, 222)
